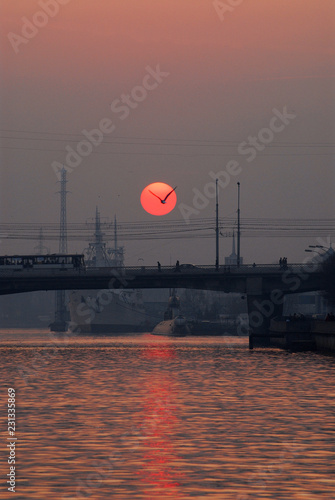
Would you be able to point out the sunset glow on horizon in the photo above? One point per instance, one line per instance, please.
(225, 76)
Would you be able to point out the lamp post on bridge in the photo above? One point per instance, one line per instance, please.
(217, 226)
(326, 251)
(321, 253)
(238, 227)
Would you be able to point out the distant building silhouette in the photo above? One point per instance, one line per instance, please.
(232, 259)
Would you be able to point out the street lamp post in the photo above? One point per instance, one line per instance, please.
(319, 251)
(238, 227)
(217, 226)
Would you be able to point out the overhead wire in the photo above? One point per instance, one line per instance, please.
(174, 229)
(68, 138)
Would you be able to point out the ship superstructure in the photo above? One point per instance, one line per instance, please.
(98, 254)
(106, 311)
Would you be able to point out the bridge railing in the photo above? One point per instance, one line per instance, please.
(183, 268)
(212, 268)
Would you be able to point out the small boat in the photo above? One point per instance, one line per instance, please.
(174, 324)
(176, 327)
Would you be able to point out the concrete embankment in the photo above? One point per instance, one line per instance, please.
(324, 335)
(302, 335)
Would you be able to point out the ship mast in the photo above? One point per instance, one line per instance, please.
(115, 233)
(118, 251)
(99, 255)
(99, 246)
(40, 248)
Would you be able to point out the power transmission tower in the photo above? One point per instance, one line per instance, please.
(59, 324)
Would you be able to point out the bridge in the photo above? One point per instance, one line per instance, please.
(245, 279)
(255, 280)
(264, 286)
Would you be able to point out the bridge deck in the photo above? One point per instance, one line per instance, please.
(244, 279)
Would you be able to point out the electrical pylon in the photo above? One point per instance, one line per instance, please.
(60, 323)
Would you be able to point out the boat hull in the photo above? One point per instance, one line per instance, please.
(171, 328)
(106, 312)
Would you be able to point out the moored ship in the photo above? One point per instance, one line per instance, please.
(106, 311)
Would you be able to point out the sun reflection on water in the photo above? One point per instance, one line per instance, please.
(154, 418)
(160, 475)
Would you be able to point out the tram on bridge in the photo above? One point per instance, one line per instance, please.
(46, 261)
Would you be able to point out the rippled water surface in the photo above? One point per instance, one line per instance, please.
(145, 417)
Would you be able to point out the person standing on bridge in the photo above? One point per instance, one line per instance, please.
(159, 266)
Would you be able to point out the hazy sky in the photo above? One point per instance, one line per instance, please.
(223, 72)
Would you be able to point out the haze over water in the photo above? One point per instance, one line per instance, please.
(150, 417)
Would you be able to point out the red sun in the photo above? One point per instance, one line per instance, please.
(158, 198)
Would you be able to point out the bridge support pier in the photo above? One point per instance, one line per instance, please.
(261, 309)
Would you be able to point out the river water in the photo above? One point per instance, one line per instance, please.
(155, 418)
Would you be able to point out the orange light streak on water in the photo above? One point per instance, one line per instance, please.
(149, 418)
